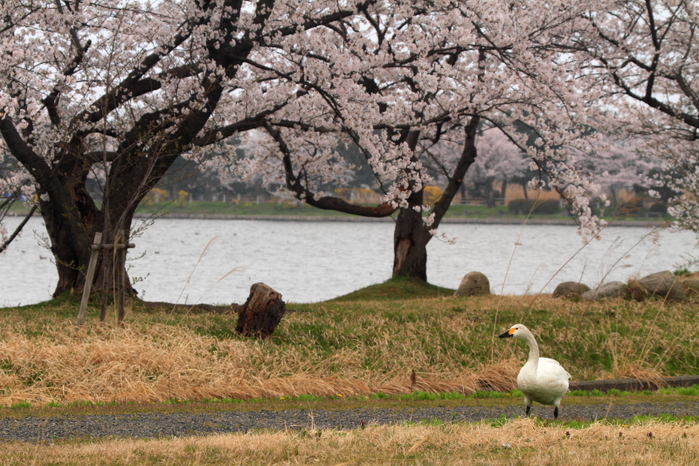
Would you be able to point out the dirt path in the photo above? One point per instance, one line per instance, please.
(187, 424)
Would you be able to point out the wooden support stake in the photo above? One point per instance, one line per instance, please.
(91, 266)
(106, 260)
(120, 273)
(114, 259)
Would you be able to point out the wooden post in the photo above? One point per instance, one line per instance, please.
(120, 273)
(106, 266)
(91, 266)
(118, 262)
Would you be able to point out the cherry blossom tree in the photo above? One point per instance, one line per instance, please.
(644, 55)
(428, 78)
(120, 88)
(498, 160)
(618, 163)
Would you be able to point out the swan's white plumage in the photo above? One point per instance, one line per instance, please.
(540, 379)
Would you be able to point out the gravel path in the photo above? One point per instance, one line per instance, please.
(186, 424)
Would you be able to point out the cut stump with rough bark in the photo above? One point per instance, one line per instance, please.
(261, 313)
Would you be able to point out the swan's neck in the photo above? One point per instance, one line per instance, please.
(533, 351)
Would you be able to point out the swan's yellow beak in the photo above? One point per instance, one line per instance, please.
(508, 333)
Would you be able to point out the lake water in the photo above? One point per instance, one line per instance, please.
(216, 261)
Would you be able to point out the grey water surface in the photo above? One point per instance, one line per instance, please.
(216, 261)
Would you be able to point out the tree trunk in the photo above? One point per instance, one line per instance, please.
(489, 198)
(261, 313)
(503, 191)
(71, 224)
(69, 256)
(411, 235)
(70, 227)
(72, 255)
(410, 240)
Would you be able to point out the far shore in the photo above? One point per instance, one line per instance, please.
(475, 220)
(349, 218)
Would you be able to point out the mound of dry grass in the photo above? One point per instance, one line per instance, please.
(347, 348)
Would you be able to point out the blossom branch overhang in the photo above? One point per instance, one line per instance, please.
(134, 80)
(336, 108)
(216, 135)
(652, 102)
(441, 119)
(40, 171)
(10, 23)
(124, 91)
(468, 157)
(51, 100)
(653, 69)
(330, 18)
(298, 124)
(263, 12)
(302, 192)
(23, 152)
(686, 89)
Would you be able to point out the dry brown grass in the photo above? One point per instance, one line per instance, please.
(157, 362)
(346, 348)
(521, 441)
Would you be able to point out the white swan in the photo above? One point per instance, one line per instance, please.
(541, 379)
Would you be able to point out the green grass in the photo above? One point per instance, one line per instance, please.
(456, 211)
(396, 288)
(381, 333)
(243, 208)
(291, 209)
(456, 332)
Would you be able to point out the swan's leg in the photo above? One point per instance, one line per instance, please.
(555, 413)
(528, 409)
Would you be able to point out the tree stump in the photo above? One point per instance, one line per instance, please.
(261, 313)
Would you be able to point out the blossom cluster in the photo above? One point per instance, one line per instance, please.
(116, 90)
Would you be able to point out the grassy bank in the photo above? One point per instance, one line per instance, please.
(365, 343)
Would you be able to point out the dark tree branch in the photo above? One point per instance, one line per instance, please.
(132, 83)
(468, 156)
(322, 21)
(302, 192)
(19, 228)
(218, 134)
(101, 156)
(36, 165)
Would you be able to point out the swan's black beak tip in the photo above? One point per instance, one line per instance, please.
(506, 335)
